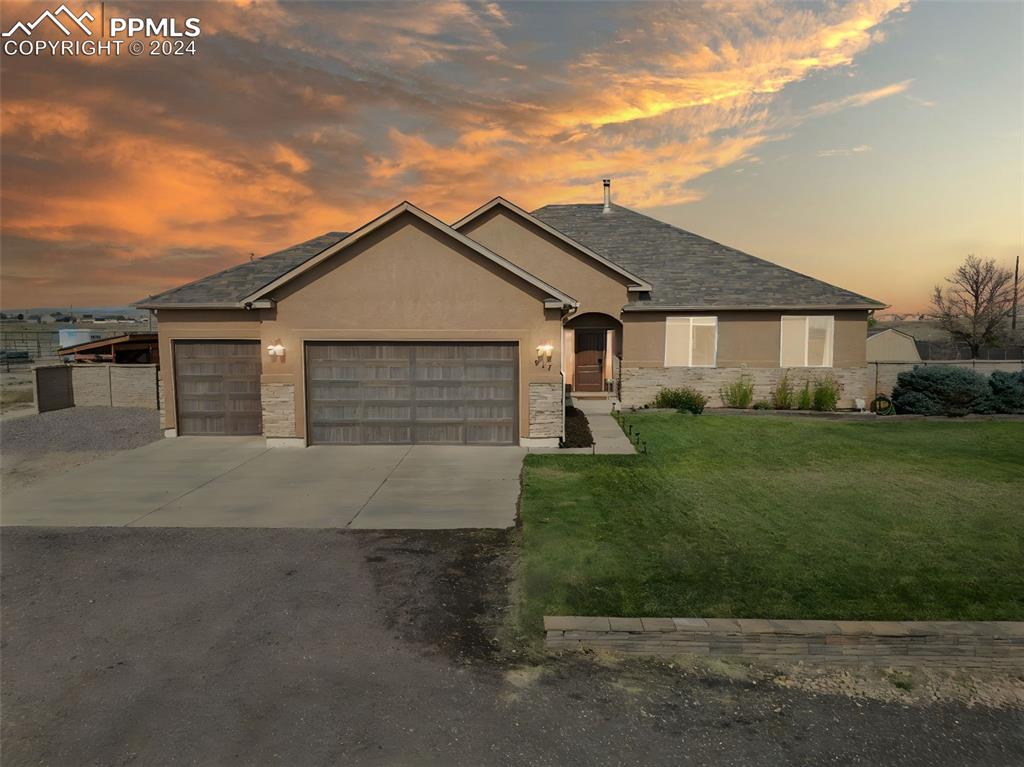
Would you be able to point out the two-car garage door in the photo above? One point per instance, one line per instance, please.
(411, 393)
(359, 393)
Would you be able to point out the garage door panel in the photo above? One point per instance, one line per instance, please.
(374, 393)
(198, 425)
(490, 392)
(489, 411)
(335, 434)
(440, 434)
(434, 370)
(377, 412)
(489, 434)
(440, 412)
(217, 384)
(202, 404)
(381, 434)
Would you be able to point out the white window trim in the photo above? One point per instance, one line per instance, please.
(830, 335)
(689, 359)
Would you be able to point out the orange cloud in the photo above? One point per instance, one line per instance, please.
(298, 118)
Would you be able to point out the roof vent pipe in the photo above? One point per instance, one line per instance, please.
(607, 195)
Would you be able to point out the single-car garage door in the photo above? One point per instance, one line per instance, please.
(217, 385)
(408, 393)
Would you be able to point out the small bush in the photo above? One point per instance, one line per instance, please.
(682, 399)
(805, 400)
(693, 402)
(826, 394)
(762, 404)
(739, 393)
(942, 390)
(577, 429)
(1007, 391)
(782, 395)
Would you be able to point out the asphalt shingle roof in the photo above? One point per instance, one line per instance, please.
(237, 282)
(685, 269)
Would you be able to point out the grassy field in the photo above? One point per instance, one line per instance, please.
(782, 518)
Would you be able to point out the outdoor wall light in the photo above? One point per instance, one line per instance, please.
(276, 350)
(544, 352)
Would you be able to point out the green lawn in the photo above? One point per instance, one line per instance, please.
(781, 518)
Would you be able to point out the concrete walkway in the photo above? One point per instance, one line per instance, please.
(239, 482)
(608, 436)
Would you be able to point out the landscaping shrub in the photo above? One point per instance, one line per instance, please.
(942, 390)
(739, 393)
(683, 399)
(826, 394)
(1007, 391)
(577, 429)
(782, 395)
(805, 400)
(693, 402)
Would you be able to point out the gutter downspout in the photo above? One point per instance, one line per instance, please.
(571, 310)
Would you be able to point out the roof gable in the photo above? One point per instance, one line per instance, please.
(690, 272)
(556, 298)
(638, 283)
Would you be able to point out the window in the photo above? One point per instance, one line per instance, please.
(691, 342)
(807, 342)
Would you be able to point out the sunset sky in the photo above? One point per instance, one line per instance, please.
(871, 144)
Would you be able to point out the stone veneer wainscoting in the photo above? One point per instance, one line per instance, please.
(278, 410)
(547, 411)
(640, 385)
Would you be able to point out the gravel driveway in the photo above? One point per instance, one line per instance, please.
(300, 647)
(40, 446)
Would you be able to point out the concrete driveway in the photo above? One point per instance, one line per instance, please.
(239, 482)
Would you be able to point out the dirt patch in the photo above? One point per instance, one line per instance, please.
(976, 687)
(449, 589)
(922, 686)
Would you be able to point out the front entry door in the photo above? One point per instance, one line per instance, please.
(590, 353)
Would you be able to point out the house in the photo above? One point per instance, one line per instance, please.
(410, 330)
(891, 345)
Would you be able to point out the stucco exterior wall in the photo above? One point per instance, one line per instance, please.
(597, 288)
(745, 339)
(405, 282)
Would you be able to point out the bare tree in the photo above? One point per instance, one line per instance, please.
(974, 307)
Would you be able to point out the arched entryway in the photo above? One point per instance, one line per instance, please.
(593, 344)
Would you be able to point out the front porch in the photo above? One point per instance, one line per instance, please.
(593, 355)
